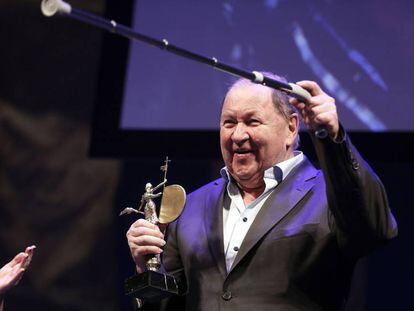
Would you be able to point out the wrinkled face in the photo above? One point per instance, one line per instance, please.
(253, 134)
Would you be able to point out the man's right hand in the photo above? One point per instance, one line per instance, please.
(144, 238)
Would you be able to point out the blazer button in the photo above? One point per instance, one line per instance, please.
(226, 295)
(355, 164)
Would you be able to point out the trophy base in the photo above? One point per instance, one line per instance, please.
(151, 285)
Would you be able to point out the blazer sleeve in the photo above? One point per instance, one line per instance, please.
(171, 258)
(359, 214)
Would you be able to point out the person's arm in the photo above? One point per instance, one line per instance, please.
(356, 197)
(357, 201)
(12, 272)
(145, 239)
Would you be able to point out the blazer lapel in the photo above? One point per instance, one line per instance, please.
(213, 219)
(283, 199)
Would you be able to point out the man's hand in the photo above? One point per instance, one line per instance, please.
(144, 238)
(319, 111)
(12, 272)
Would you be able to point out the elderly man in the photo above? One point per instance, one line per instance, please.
(273, 233)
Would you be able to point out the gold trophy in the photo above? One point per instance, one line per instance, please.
(153, 285)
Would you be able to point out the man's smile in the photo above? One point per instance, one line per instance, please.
(242, 153)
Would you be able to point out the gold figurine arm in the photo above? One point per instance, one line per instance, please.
(161, 184)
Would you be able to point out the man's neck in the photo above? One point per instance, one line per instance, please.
(249, 194)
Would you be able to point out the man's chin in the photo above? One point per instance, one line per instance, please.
(243, 175)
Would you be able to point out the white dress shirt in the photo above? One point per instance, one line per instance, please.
(238, 218)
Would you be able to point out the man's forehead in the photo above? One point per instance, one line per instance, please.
(247, 98)
(243, 111)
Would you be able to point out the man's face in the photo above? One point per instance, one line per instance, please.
(253, 134)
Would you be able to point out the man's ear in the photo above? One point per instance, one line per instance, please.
(293, 129)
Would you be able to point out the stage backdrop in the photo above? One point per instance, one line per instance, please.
(51, 193)
(359, 51)
(54, 195)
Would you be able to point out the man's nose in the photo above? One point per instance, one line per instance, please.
(240, 134)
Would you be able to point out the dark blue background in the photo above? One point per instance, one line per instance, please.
(359, 51)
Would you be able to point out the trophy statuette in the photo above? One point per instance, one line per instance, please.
(153, 285)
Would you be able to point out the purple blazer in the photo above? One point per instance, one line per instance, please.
(301, 249)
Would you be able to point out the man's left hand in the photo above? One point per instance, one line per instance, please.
(319, 111)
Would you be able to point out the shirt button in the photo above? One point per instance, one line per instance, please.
(226, 295)
(235, 248)
(244, 219)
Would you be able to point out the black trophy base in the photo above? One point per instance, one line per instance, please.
(151, 286)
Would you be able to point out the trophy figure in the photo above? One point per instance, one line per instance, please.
(154, 285)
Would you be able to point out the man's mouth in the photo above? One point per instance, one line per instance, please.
(242, 151)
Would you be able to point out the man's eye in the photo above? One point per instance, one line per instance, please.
(253, 122)
(229, 123)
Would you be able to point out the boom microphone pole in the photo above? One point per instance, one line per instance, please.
(58, 7)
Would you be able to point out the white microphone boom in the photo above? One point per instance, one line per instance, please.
(53, 7)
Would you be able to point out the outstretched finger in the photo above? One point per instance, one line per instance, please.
(29, 251)
(18, 259)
